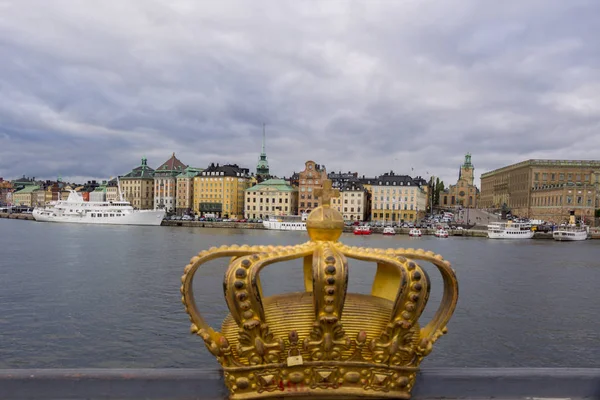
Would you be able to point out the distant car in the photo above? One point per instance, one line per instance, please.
(187, 218)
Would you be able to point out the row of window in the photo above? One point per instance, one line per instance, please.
(267, 200)
(394, 216)
(561, 177)
(266, 208)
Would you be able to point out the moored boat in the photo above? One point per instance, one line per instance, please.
(441, 233)
(286, 222)
(415, 232)
(571, 232)
(389, 231)
(510, 230)
(76, 210)
(362, 230)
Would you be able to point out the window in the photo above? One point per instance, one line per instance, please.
(537, 176)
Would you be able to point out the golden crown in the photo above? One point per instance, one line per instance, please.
(323, 342)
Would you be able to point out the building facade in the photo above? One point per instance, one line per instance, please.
(138, 186)
(165, 184)
(397, 198)
(26, 196)
(464, 193)
(273, 197)
(514, 185)
(354, 202)
(219, 191)
(112, 190)
(553, 203)
(308, 180)
(185, 190)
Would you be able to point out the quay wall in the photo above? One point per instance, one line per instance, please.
(17, 216)
(174, 384)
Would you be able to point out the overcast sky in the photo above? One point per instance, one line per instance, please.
(89, 87)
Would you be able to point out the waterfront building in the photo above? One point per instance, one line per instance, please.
(308, 180)
(514, 185)
(26, 196)
(165, 184)
(464, 193)
(138, 186)
(273, 197)
(185, 190)
(219, 190)
(354, 202)
(262, 167)
(397, 198)
(112, 190)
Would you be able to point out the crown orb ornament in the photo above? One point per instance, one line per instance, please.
(323, 342)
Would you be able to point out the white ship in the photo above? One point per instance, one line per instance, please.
(510, 230)
(571, 232)
(286, 222)
(76, 210)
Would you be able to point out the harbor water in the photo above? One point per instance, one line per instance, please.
(75, 296)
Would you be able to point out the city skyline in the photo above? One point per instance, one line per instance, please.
(364, 87)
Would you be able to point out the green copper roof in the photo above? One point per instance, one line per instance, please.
(277, 184)
(141, 172)
(27, 189)
(190, 172)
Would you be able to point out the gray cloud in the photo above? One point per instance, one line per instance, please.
(88, 88)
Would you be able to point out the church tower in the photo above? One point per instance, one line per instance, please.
(262, 168)
(467, 171)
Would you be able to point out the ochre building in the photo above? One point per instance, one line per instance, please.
(219, 191)
(398, 198)
(185, 190)
(464, 193)
(273, 197)
(544, 189)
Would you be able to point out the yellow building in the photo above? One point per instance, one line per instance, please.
(398, 198)
(26, 196)
(273, 197)
(138, 186)
(185, 190)
(219, 191)
(353, 202)
(464, 193)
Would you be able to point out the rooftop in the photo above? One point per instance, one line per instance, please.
(277, 184)
(546, 163)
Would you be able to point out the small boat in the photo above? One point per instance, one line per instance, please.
(362, 230)
(571, 232)
(388, 230)
(441, 233)
(415, 232)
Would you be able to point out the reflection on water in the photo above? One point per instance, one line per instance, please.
(101, 296)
